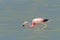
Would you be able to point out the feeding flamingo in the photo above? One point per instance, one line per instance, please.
(36, 21)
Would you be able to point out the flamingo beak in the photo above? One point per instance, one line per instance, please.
(23, 25)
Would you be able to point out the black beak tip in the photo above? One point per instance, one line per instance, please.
(23, 25)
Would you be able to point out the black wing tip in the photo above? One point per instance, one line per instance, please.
(45, 20)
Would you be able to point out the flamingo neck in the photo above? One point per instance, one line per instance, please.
(30, 25)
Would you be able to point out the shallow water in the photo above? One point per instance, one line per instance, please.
(14, 12)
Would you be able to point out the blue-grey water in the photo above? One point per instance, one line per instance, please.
(14, 12)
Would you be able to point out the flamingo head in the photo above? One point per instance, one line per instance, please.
(24, 23)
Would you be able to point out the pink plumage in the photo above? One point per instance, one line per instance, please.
(35, 21)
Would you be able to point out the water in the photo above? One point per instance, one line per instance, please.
(14, 12)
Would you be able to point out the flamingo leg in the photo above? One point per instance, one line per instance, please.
(45, 25)
(38, 28)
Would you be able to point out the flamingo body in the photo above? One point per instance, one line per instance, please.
(35, 21)
(38, 20)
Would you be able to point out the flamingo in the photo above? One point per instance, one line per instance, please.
(36, 21)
